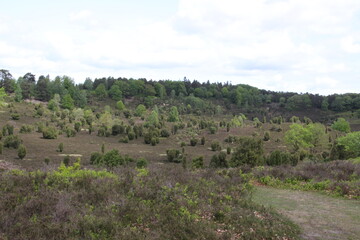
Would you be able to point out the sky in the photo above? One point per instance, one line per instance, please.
(280, 45)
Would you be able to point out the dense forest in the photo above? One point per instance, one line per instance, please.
(191, 93)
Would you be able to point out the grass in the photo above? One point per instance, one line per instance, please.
(320, 216)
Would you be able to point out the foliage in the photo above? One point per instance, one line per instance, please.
(303, 137)
(249, 151)
(198, 162)
(155, 203)
(120, 105)
(49, 133)
(341, 125)
(67, 102)
(173, 155)
(193, 142)
(215, 146)
(173, 115)
(351, 144)
(278, 157)
(12, 141)
(219, 161)
(140, 110)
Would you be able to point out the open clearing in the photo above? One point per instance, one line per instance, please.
(319, 216)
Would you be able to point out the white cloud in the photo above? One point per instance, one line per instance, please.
(275, 44)
(349, 45)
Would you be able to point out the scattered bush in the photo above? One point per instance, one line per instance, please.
(70, 132)
(61, 147)
(66, 160)
(266, 136)
(164, 133)
(12, 141)
(21, 151)
(215, 146)
(219, 161)
(141, 163)
(193, 142)
(47, 161)
(15, 116)
(203, 140)
(77, 126)
(249, 151)
(173, 155)
(26, 128)
(198, 162)
(49, 133)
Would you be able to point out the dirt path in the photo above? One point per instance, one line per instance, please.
(320, 216)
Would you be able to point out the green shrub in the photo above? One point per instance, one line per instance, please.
(266, 136)
(182, 144)
(21, 151)
(70, 132)
(141, 163)
(212, 130)
(112, 158)
(198, 162)
(215, 146)
(131, 135)
(12, 141)
(1, 147)
(66, 160)
(103, 148)
(249, 151)
(219, 161)
(164, 133)
(153, 142)
(203, 140)
(278, 157)
(77, 126)
(228, 150)
(193, 142)
(15, 116)
(7, 130)
(26, 128)
(117, 129)
(173, 155)
(47, 161)
(49, 133)
(341, 125)
(125, 139)
(95, 158)
(61, 147)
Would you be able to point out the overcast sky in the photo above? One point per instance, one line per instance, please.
(283, 45)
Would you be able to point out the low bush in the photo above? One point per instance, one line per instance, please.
(215, 146)
(198, 162)
(49, 133)
(173, 155)
(219, 161)
(159, 202)
(26, 128)
(193, 142)
(12, 141)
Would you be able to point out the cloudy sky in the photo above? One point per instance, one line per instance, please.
(284, 45)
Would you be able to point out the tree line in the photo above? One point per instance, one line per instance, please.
(243, 96)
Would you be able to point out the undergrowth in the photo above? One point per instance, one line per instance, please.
(338, 178)
(159, 202)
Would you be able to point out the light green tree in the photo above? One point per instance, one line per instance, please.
(140, 110)
(173, 115)
(351, 143)
(341, 125)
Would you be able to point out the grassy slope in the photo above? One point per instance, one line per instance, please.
(320, 216)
